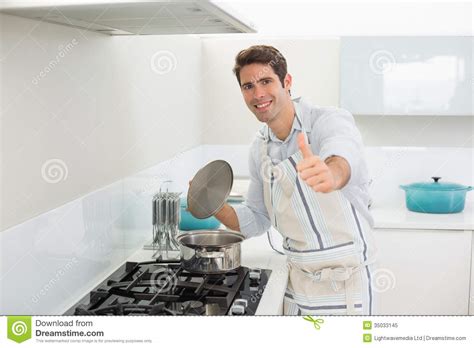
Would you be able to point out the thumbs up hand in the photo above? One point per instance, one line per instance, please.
(313, 170)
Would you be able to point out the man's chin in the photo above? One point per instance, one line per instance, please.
(262, 117)
(267, 118)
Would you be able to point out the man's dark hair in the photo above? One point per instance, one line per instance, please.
(261, 54)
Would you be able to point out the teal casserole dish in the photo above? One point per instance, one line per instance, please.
(435, 197)
(188, 222)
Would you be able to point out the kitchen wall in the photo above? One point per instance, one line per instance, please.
(80, 110)
(314, 64)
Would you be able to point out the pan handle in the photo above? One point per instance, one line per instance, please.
(210, 254)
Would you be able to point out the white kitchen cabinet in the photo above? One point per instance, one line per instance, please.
(423, 272)
(406, 75)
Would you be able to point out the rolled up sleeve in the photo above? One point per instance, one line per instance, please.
(337, 135)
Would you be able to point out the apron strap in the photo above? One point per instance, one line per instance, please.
(265, 171)
(271, 172)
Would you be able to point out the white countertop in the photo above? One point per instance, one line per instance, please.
(401, 218)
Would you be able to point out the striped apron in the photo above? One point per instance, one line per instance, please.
(325, 240)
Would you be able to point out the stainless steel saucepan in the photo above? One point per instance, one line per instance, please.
(210, 251)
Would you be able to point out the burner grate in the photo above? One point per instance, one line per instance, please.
(164, 288)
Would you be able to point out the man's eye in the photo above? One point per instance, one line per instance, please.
(265, 82)
(247, 87)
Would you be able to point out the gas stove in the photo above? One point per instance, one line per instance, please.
(163, 287)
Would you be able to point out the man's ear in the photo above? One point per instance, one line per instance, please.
(287, 81)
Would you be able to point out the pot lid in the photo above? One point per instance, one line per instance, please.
(436, 185)
(210, 188)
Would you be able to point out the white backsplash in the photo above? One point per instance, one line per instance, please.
(49, 262)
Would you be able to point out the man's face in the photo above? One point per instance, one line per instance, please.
(263, 92)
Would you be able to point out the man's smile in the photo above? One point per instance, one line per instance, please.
(262, 106)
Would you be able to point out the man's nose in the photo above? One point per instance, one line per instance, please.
(258, 92)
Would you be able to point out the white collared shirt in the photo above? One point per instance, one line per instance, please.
(331, 131)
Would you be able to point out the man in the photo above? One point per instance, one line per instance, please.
(308, 180)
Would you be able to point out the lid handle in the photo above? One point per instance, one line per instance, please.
(436, 178)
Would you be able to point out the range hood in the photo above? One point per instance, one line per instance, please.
(145, 17)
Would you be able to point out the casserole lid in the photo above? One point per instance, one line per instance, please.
(436, 186)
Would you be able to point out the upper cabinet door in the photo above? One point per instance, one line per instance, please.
(407, 75)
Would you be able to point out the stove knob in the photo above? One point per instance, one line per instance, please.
(255, 274)
(237, 310)
(238, 307)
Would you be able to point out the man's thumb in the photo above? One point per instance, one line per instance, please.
(304, 147)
